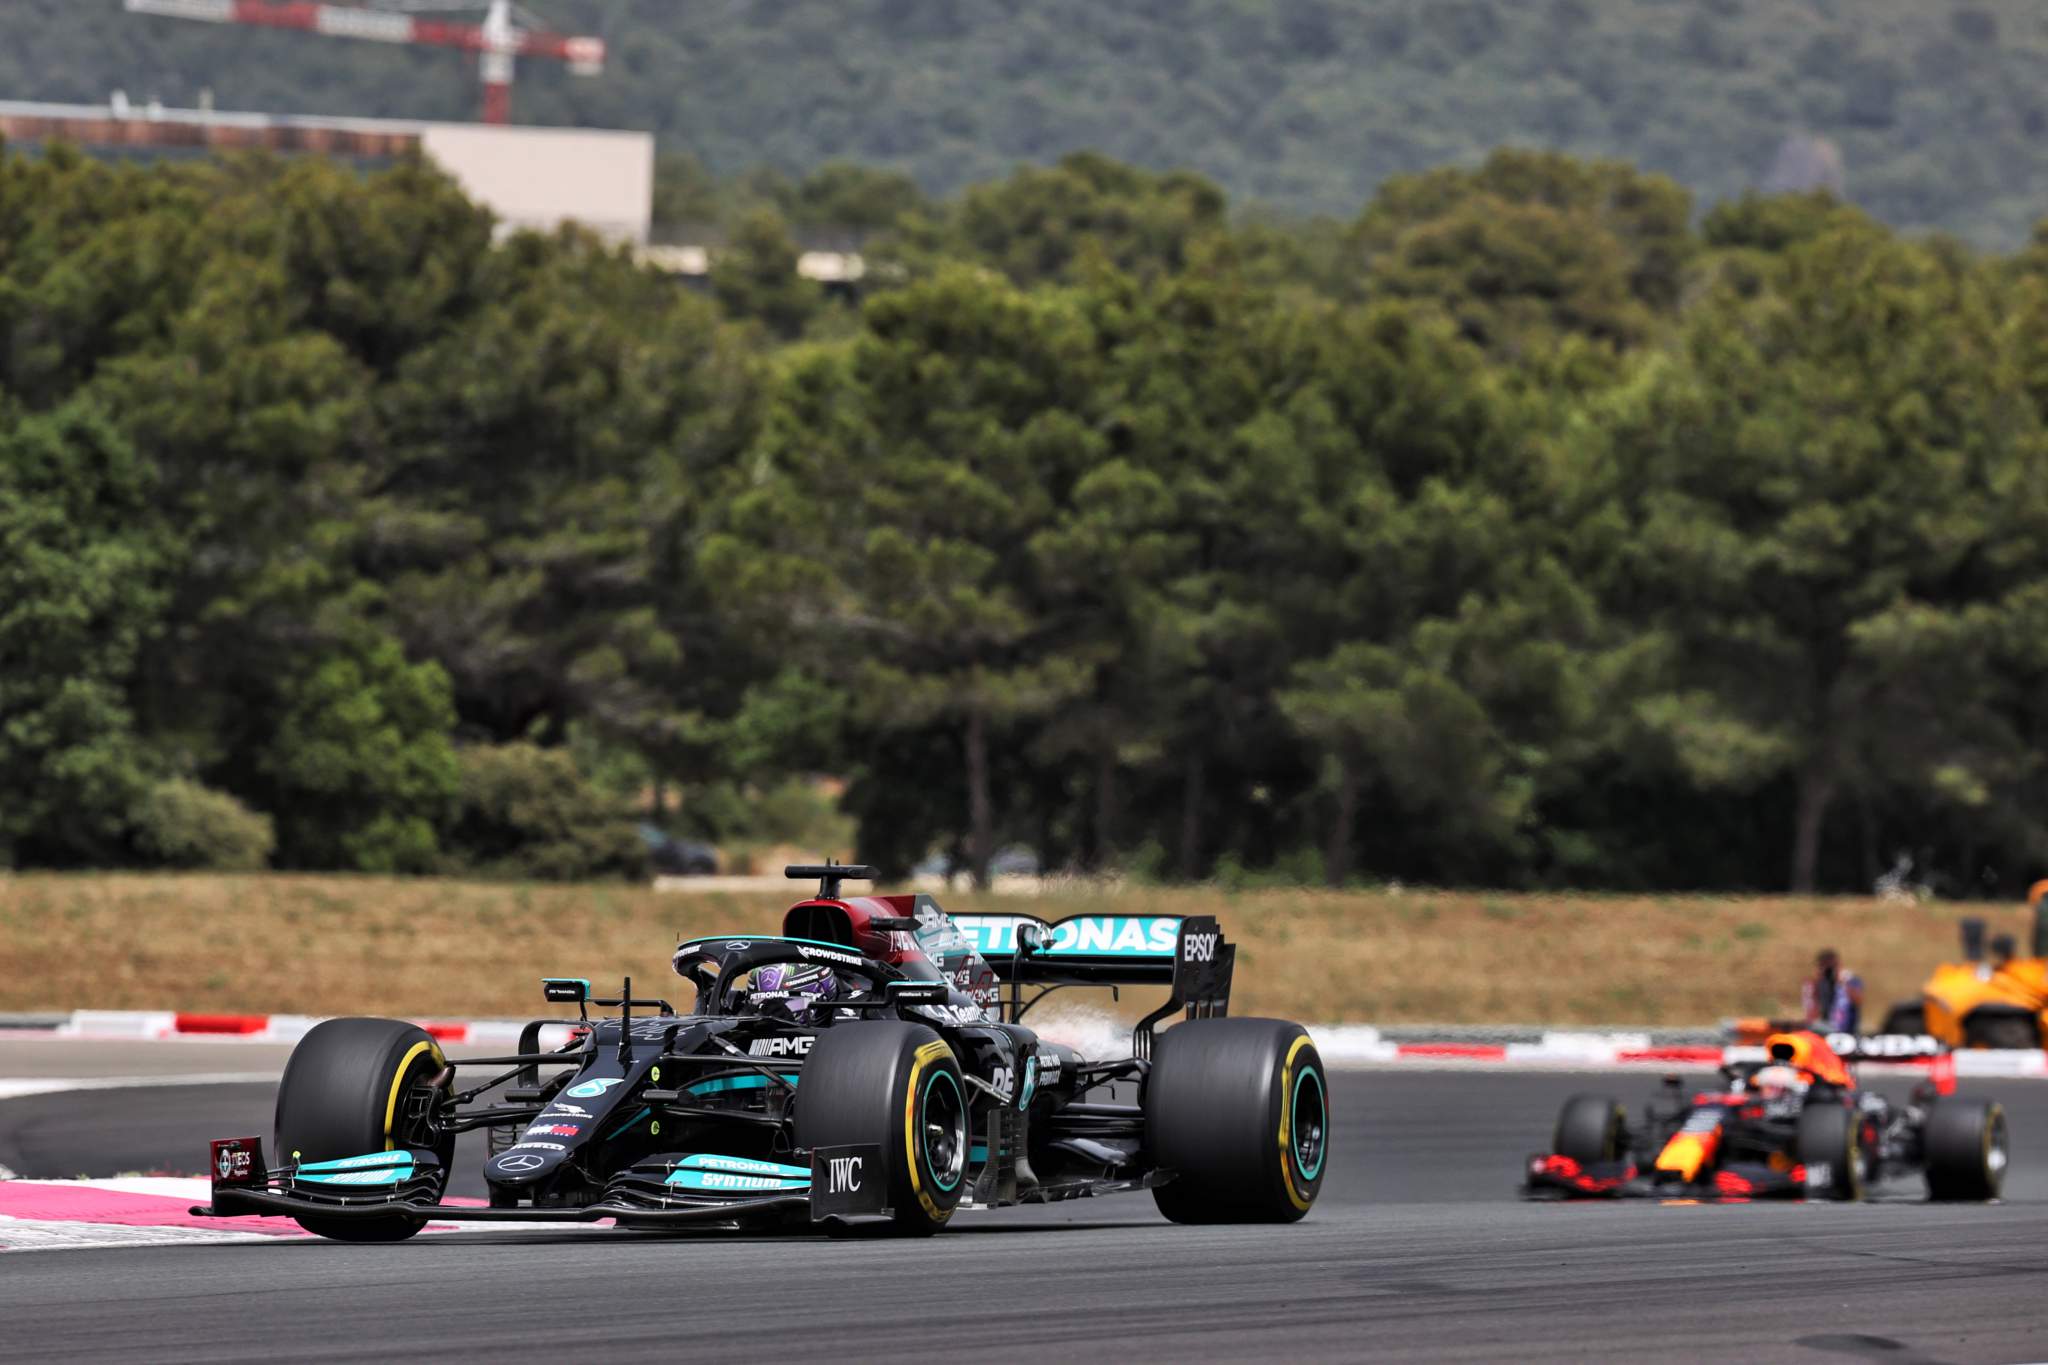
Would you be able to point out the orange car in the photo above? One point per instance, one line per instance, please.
(1790, 1125)
(1994, 999)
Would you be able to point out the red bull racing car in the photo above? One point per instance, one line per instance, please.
(1791, 1125)
(871, 1063)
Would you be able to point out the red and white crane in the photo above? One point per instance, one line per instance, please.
(505, 35)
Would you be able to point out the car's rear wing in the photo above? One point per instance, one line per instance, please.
(1092, 949)
(1187, 953)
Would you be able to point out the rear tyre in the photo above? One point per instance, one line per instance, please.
(896, 1085)
(1908, 1016)
(1591, 1128)
(1965, 1143)
(1238, 1110)
(2003, 1029)
(1830, 1151)
(355, 1086)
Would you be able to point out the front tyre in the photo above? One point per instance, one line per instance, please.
(1237, 1111)
(899, 1086)
(1591, 1129)
(1831, 1151)
(355, 1086)
(1966, 1150)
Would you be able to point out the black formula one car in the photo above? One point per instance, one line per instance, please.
(1791, 1124)
(869, 1064)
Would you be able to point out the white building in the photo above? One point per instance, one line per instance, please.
(530, 177)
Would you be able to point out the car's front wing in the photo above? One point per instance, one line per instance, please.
(1555, 1176)
(842, 1182)
(237, 1203)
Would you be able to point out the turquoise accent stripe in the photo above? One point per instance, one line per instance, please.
(367, 1161)
(745, 1165)
(1144, 937)
(630, 1122)
(978, 1152)
(737, 1175)
(1308, 1073)
(725, 1083)
(734, 1182)
(372, 1168)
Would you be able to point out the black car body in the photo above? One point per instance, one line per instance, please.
(918, 1090)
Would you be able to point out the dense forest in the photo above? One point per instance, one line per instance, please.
(1937, 107)
(1517, 531)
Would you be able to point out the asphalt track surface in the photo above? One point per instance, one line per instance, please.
(1417, 1250)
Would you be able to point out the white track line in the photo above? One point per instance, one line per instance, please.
(14, 1088)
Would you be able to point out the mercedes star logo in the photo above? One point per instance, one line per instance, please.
(519, 1161)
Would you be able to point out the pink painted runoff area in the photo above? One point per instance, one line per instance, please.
(65, 1201)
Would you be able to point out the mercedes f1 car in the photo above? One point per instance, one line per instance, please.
(869, 1065)
(1792, 1124)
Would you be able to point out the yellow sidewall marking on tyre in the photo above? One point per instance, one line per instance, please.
(430, 1047)
(1287, 1124)
(927, 1053)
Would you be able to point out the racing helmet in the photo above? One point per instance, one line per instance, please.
(1777, 1081)
(793, 990)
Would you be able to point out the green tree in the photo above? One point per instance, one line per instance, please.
(364, 419)
(180, 823)
(1051, 223)
(81, 588)
(843, 197)
(1459, 694)
(686, 193)
(540, 474)
(360, 770)
(1531, 246)
(1192, 560)
(524, 811)
(755, 276)
(898, 486)
(1822, 481)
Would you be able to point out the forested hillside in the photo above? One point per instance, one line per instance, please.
(1938, 106)
(1517, 532)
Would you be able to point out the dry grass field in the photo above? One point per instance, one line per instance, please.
(426, 948)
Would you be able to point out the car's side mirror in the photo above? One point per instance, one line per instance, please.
(565, 990)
